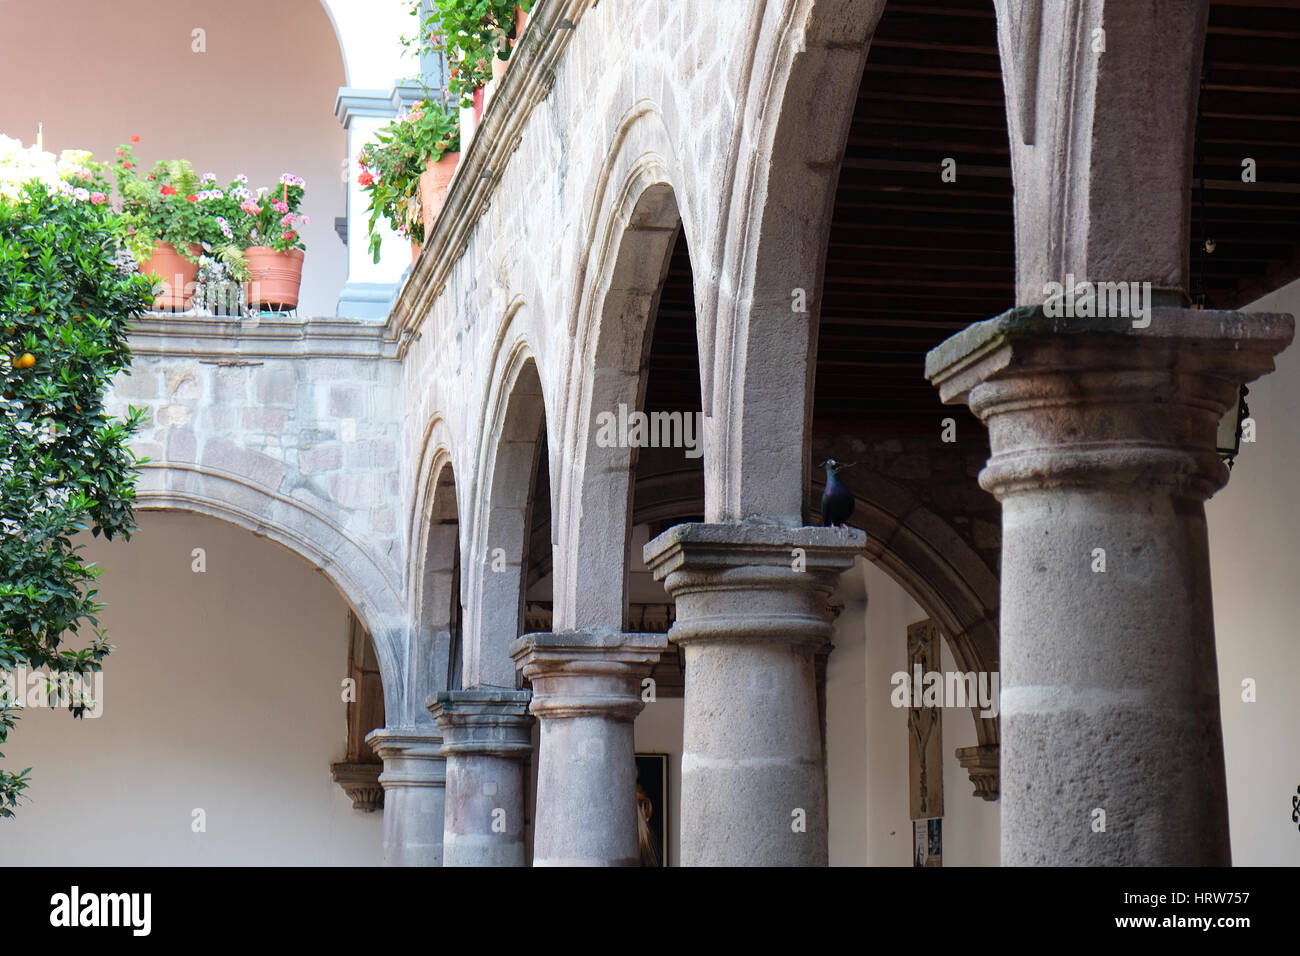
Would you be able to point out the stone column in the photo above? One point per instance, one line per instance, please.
(487, 740)
(586, 693)
(414, 782)
(1103, 453)
(752, 614)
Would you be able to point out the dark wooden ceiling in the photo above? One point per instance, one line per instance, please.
(912, 259)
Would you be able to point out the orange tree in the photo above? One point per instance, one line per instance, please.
(68, 289)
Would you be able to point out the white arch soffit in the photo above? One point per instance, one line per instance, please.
(353, 572)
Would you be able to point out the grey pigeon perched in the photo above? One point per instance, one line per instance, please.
(837, 500)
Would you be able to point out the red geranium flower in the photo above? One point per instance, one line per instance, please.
(152, 176)
(365, 178)
(127, 165)
(191, 198)
(168, 190)
(121, 152)
(135, 139)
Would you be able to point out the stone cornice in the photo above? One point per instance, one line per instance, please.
(526, 84)
(216, 337)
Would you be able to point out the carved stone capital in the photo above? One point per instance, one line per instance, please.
(486, 721)
(982, 764)
(410, 759)
(360, 781)
(587, 673)
(1095, 402)
(752, 582)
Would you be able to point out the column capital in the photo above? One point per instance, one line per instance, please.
(1094, 401)
(411, 758)
(484, 720)
(751, 582)
(587, 673)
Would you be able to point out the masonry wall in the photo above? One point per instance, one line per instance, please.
(223, 694)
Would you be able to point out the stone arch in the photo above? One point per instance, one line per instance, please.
(515, 423)
(617, 303)
(797, 108)
(433, 573)
(313, 536)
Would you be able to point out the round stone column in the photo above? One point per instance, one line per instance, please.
(487, 741)
(1103, 452)
(586, 694)
(414, 782)
(752, 614)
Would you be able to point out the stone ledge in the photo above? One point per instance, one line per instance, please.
(191, 335)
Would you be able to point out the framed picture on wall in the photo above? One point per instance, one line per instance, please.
(652, 808)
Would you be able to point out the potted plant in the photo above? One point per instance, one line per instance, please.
(471, 34)
(406, 171)
(166, 226)
(267, 224)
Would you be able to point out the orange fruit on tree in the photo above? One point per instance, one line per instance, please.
(26, 361)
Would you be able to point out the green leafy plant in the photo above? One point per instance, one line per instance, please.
(68, 290)
(391, 167)
(469, 33)
(162, 206)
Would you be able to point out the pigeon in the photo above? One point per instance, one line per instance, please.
(837, 500)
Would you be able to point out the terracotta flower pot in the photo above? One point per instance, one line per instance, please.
(177, 273)
(433, 188)
(276, 277)
(415, 251)
(478, 104)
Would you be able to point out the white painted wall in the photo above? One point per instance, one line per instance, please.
(223, 694)
(1255, 565)
(867, 754)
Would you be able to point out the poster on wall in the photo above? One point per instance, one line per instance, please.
(652, 808)
(927, 842)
